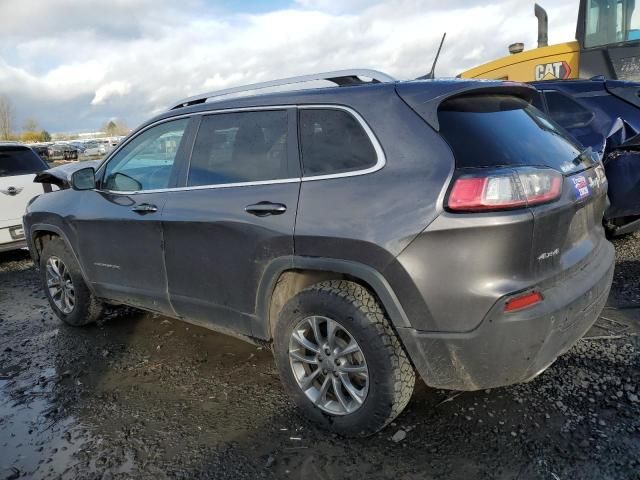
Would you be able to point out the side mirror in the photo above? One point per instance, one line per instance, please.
(123, 183)
(83, 179)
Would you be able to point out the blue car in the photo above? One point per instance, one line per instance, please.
(604, 115)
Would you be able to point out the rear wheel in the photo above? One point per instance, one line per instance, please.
(66, 290)
(340, 360)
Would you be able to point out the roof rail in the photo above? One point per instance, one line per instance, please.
(339, 77)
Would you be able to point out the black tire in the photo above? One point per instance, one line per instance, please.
(391, 375)
(87, 308)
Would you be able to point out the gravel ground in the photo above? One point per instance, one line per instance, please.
(148, 397)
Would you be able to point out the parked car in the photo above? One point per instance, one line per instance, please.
(18, 166)
(42, 151)
(95, 149)
(604, 115)
(63, 151)
(79, 146)
(366, 232)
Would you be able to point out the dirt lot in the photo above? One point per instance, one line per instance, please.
(148, 397)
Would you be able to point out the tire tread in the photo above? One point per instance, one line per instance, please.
(360, 298)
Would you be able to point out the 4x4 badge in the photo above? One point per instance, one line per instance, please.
(12, 191)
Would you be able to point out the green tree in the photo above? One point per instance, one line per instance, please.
(45, 136)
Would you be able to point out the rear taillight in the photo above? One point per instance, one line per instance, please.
(504, 189)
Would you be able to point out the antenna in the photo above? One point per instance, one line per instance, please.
(431, 74)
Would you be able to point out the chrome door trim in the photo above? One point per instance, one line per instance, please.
(380, 156)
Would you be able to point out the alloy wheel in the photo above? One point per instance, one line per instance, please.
(60, 285)
(329, 365)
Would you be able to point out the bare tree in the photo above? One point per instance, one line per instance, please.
(6, 118)
(30, 125)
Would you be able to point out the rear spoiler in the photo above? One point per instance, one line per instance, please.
(61, 176)
(425, 97)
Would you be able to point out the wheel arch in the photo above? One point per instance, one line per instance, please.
(39, 232)
(287, 276)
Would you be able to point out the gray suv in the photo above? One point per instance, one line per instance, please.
(366, 231)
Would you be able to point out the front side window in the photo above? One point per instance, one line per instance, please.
(146, 162)
(240, 147)
(333, 141)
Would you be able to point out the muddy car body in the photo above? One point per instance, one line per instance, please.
(363, 230)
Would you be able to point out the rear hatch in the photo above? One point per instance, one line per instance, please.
(18, 166)
(511, 156)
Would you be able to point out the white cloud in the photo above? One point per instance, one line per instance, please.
(111, 89)
(129, 59)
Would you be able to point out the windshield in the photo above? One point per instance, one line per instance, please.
(611, 21)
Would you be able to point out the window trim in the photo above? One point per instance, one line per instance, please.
(380, 160)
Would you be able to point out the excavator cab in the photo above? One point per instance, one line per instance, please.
(607, 44)
(608, 32)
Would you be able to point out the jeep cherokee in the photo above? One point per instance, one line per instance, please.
(366, 231)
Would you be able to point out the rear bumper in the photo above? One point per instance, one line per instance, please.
(515, 347)
(6, 247)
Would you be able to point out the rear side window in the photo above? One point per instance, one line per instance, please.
(566, 111)
(333, 141)
(19, 161)
(502, 130)
(240, 147)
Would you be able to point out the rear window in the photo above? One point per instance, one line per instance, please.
(502, 130)
(19, 161)
(567, 112)
(333, 141)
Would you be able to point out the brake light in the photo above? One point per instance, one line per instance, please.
(504, 189)
(523, 301)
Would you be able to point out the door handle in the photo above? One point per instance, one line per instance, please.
(264, 209)
(143, 208)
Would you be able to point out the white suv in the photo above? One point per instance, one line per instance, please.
(18, 166)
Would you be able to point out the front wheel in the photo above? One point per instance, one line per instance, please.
(340, 360)
(66, 290)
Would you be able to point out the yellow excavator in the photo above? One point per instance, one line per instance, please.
(607, 44)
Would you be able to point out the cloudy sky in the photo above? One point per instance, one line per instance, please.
(74, 64)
